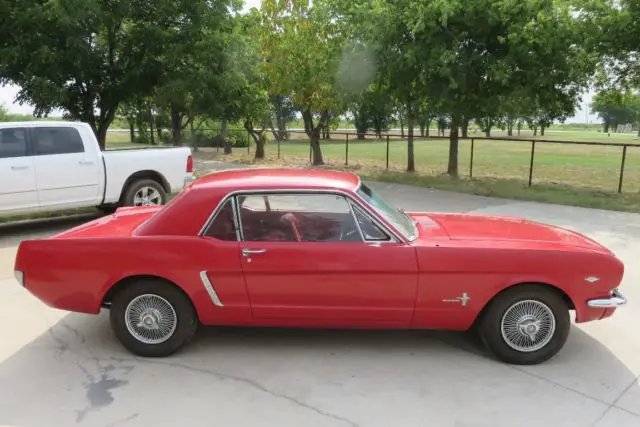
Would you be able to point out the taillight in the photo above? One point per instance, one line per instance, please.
(189, 164)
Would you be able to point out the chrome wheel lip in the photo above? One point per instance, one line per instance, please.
(150, 319)
(526, 317)
(147, 196)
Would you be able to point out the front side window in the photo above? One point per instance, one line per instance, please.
(13, 143)
(57, 140)
(297, 218)
(397, 218)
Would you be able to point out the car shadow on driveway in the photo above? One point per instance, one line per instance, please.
(76, 372)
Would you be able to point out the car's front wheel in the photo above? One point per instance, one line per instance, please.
(525, 325)
(152, 318)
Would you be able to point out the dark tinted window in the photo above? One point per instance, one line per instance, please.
(222, 226)
(13, 143)
(57, 140)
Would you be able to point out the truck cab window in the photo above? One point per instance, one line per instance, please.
(57, 140)
(13, 143)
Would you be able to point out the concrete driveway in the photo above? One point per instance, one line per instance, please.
(60, 369)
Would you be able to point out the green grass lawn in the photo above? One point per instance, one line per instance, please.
(581, 175)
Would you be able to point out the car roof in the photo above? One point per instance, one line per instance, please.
(278, 179)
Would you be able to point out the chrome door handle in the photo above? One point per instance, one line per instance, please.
(85, 162)
(16, 168)
(248, 252)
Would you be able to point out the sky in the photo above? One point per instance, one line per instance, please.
(8, 93)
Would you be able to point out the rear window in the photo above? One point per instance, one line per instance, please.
(57, 140)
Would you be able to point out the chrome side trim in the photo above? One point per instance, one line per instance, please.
(210, 290)
(616, 300)
(397, 236)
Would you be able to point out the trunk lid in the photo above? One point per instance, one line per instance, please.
(121, 223)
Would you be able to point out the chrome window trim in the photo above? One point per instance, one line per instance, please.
(214, 215)
(396, 231)
(210, 289)
(364, 239)
(396, 237)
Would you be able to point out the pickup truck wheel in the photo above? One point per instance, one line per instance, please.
(152, 318)
(525, 325)
(145, 192)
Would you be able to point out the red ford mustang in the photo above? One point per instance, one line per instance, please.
(321, 249)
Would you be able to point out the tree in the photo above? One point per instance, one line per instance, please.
(478, 53)
(194, 67)
(301, 46)
(615, 108)
(611, 29)
(87, 56)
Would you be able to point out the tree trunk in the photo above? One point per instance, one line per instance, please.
(519, 127)
(176, 125)
(541, 130)
(509, 128)
(465, 128)
(422, 129)
(223, 135)
(101, 136)
(401, 127)
(428, 125)
(487, 132)
(313, 132)
(260, 140)
(316, 151)
(452, 168)
(132, 132)
(411, 123)
(159, 133)
(606, 126)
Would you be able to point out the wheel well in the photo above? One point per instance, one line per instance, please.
(146, 174)
(120, 285)
(567, 300)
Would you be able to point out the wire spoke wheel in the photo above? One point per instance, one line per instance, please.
(150, 319)
(528, 325)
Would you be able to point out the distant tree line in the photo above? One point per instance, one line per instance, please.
(187, 64)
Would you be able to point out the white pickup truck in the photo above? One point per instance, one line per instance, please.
(49, 166)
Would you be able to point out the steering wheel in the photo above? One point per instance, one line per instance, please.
(293, 221)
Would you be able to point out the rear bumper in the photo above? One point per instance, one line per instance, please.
(615, 300)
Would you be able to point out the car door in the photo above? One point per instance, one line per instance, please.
(67, 172)
(18, 189)
(304, 256)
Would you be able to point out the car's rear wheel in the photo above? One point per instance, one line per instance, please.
(145, 192)
(153, 318)
(525, 325)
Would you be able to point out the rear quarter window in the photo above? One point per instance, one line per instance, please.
(13, 143)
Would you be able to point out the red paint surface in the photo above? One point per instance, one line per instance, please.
(350, 284)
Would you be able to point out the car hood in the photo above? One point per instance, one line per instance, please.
(495, 228)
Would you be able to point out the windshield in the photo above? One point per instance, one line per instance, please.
(397, 218)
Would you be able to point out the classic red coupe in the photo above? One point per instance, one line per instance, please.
(316, 248)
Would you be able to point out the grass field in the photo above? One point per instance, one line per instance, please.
(582, 175)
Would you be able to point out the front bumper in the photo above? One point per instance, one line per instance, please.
(615, 300)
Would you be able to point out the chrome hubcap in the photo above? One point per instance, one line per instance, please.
(150, 319)
(147, 196)
(528, 326)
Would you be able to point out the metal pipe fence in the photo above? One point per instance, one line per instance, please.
(350, 138)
